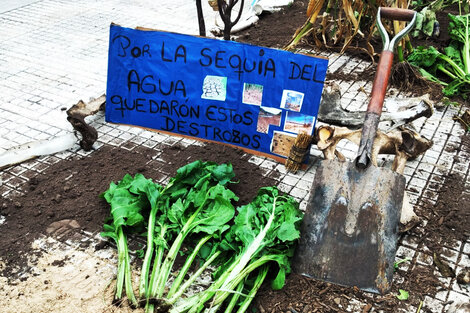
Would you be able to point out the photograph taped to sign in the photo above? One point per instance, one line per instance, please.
(210, 89)
(214, 88)
(252, 94)
(299, 123)
(268, 116)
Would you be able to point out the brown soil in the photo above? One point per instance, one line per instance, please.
(276, 29)
(449, 218)
(69, 190)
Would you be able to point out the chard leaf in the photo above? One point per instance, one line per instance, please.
(430, 77)
(423, 57)
(179, 193)
(188, 169)
(245, 229)
(176, 211)
(458, 86)
(125, 208)
(108, 228)
(453, 52)
(109, 234)
(458, 28)
(280, 279)
(213, 219)
(223, 173)
(288, 232)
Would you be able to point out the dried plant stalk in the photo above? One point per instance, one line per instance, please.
(298, 152)
(341, 22)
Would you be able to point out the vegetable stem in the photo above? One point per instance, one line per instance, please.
(234, 300)
(121, 243)
(144, 279)
(187, 264)
(258, 282)
(171, 256)
(125, 269)
(232, 276)
(157, 263)
(466, 46)
(188, 283)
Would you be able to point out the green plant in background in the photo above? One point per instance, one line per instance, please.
(453, 62)
(344, 20)
(341, 22)
(464, 5)
(426, 22)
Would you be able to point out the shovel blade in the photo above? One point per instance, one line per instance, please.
(350, 230)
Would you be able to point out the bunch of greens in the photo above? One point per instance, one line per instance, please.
(195, 204)
(192, 200)
(263, 234)
(128, 200)
(193, 217)
(453, 62)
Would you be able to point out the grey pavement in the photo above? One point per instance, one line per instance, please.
(54, 53)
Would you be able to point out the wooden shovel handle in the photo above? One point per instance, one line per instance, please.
(397, 14)
(374, 110)
(379, 87)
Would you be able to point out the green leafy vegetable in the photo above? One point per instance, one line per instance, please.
(263, 233)
(194, 211)
(128, 199)
(453, 62)
(191, 182)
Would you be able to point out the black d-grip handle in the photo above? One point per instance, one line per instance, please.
(397, 14)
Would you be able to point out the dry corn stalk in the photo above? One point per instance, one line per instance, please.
(341, 21)
(314, 8)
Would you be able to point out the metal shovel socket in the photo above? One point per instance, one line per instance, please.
(350, 229)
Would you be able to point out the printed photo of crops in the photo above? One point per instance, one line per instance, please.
(268, 116)
(297, 122)
(252, 94)
(292, 100)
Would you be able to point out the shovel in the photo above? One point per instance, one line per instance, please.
(349, 232)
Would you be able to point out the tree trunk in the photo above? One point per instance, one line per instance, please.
(225, 11)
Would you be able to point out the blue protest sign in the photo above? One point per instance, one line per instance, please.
(252, 97)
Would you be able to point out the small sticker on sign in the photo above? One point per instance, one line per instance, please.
(214, 88)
